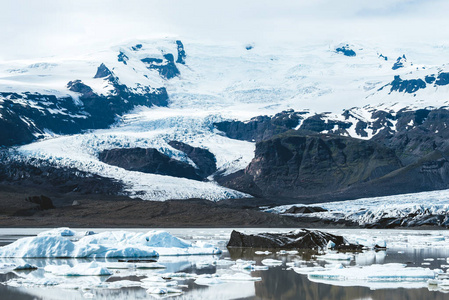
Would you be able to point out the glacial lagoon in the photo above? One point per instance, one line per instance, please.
(413, 266)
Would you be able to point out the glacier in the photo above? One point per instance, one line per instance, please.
(219, 82)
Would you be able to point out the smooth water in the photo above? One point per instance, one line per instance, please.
(427, 249)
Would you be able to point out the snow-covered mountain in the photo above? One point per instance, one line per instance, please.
(148, 94)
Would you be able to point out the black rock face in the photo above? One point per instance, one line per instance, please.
(399, 62)
(42, 175)
(123, 58)
(181, 53)
(148, 161)
(292, 165)
(407, 86)
(299, 239)
(317, 123)
(203, 158)
(346, 50)
(443, 79)
(137, 47)
(103, 72)
(166, 66)
(430, 79)
(261, 127)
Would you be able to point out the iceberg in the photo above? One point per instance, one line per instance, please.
(109, 244)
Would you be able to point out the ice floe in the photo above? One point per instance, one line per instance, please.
(375, 276)
(272, 262)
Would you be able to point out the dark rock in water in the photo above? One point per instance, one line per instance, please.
(443, 79)
(43, 201)
(148, 161)
(181, 53)
(166, 66)
(407, 86)
(102, 72)
(249, 47)
(203, 158)
(298, 239)
(304, 210)
(399, 62)
(123, 58)
(346, 50)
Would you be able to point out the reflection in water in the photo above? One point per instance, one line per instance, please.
(281, 284)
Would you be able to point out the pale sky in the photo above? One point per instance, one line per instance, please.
(39, 28)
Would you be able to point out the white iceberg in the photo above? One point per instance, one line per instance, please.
(271, 262)
(262, 252)
(106, 244)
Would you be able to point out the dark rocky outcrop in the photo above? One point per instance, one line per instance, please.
(39, 174)
(102, 72)
(295, 165)
(346, 50)
(181, 53)
(148, 161)
(165, 66)
(399, 62)
(443, 79)
(299, 239)
(122, 57)
(261, 127)
(317, 123)
(203, 158)
(137, 47)
(407, 86)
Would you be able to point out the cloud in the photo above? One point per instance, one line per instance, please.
(49, 27)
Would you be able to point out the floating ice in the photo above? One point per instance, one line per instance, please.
(373, 275)
(262, 252)
(336, 256)
(106, 244)
(271, 262)
(208, 280)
